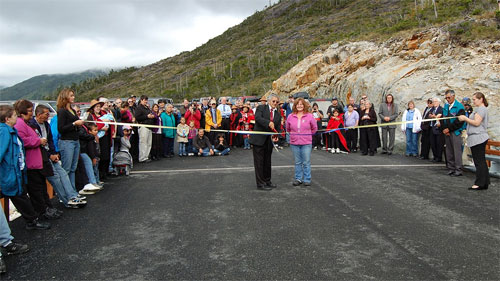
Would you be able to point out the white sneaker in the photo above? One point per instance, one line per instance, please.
(91, 187)
(190, 154)
(98, 185)
(76, 202)
(338, 150)
(86, 192)
(332, 150)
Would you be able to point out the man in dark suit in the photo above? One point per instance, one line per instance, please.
(267, 119)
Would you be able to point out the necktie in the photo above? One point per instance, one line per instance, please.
(272, 114)
(214, 116)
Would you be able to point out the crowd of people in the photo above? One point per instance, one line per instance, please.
(77, 151)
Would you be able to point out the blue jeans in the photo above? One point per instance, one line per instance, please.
(411, 142)
(89, 168)
(190, 146)
(96, 172)
(70, 150)
(5, 236)
(224, 152)
(246, 143)
(206, 152)
(61, 183)
(182, 148)
(302, 154)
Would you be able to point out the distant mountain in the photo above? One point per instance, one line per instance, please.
(2, 87)
(247, 58)
(42, 86)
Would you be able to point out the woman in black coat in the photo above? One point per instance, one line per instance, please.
(368, 136)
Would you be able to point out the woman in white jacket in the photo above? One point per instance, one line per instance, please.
(411, 129)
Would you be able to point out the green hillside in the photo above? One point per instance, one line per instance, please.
(42, 86)
(247, 58)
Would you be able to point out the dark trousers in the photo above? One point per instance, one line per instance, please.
(482, 173)
(134, 143)
(37, 190)
(334, 140)
(168, 146)
(262, 161)
(212, 136)
(425, 143)
(23, 206)
(156, 146)
(368, 140)
(81, 178)
(437, 145)
(225, 125)
(351, 137)
(317, 140)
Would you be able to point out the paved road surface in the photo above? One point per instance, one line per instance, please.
(363, 218)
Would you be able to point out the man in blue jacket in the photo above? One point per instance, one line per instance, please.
(452, 130)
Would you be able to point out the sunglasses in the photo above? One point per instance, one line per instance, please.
(274, 101)
(447, 98)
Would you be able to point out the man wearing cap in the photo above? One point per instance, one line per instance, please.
(143, 115)
(267, 119)
(213, 120)
(335, 105)
(287, 106)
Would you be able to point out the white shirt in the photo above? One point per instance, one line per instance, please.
(225, 110)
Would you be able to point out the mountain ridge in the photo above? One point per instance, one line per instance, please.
(248, 57)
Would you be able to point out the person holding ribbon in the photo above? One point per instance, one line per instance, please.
(301, 125)
(267, 119)
(477, 137)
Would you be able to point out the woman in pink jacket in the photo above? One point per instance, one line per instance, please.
(301, 126)
(37, 186)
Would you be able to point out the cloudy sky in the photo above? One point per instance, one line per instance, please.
(63, 36)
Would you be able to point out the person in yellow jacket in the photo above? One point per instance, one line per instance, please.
(213, 120)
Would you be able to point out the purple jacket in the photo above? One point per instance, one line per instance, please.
(31, 142)
(308, 127)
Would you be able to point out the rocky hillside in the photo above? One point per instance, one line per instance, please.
(247, 58)
(417, 67)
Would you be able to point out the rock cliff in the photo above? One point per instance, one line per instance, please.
(414, 68)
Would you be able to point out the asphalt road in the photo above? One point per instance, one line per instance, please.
(363, 218)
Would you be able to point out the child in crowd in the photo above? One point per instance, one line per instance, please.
(122, 161)
(89, 153)
(182, 136)
(337, 138)
(246, 137)
(191, 135)
(221, 147)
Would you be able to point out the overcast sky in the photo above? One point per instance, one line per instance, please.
(63, 36)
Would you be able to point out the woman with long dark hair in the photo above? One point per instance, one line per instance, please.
(156, 143)
(477, 137)
(368, 136)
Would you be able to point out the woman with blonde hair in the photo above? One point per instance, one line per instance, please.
(302, 126)
(68, 123)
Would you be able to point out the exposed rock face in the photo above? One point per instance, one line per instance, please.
(417, 68)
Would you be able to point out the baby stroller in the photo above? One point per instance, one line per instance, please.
(122, 160)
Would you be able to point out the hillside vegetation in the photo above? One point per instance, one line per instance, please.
(247, 58)
(43, 86)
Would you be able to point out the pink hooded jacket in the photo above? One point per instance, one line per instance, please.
(31, 142)
(305, 130)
